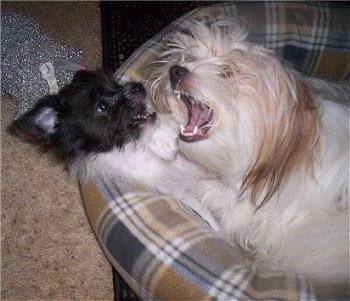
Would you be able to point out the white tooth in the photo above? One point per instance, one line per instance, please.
(187, 134)
(183, 131)
(195, 131)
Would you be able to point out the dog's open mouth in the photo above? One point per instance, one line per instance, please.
(199, 118)
(144, 117)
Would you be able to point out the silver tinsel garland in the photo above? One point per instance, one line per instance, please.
(25, 47)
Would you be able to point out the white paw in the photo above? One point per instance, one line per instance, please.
(164, 141)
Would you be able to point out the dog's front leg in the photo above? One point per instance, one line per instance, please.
(164, 141)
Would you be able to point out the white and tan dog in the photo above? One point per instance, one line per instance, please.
(276, 141)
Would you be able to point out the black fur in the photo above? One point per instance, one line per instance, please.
(92, 114)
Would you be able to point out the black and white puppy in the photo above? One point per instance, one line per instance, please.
(92, 114)
(106, 130)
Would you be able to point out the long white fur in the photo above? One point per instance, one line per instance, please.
(303, 226)
(151, 163)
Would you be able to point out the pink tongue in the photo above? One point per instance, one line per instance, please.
(198, 116)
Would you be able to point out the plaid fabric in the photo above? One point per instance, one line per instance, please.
(161, 248)
(165, 252)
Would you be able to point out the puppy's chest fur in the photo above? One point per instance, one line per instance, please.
(134, 163)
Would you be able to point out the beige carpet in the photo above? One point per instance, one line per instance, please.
(48, 251)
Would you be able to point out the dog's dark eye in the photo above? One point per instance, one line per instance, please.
(101, 106)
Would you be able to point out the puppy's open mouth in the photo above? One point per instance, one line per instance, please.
(144, 117)
(199, 118)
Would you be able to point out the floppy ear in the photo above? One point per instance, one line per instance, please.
(38, 124)
(292, 140)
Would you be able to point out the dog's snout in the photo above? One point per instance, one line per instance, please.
(136, 93)
(177, 73)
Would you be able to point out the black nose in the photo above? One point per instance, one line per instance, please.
(135, 93)
(176, 73)
(137, 88)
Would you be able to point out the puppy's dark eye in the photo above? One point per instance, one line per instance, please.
(101, 106)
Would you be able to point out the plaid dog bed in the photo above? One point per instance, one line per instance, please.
(160, 247)
(165, 252)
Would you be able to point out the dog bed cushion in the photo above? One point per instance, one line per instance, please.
(161, 248)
